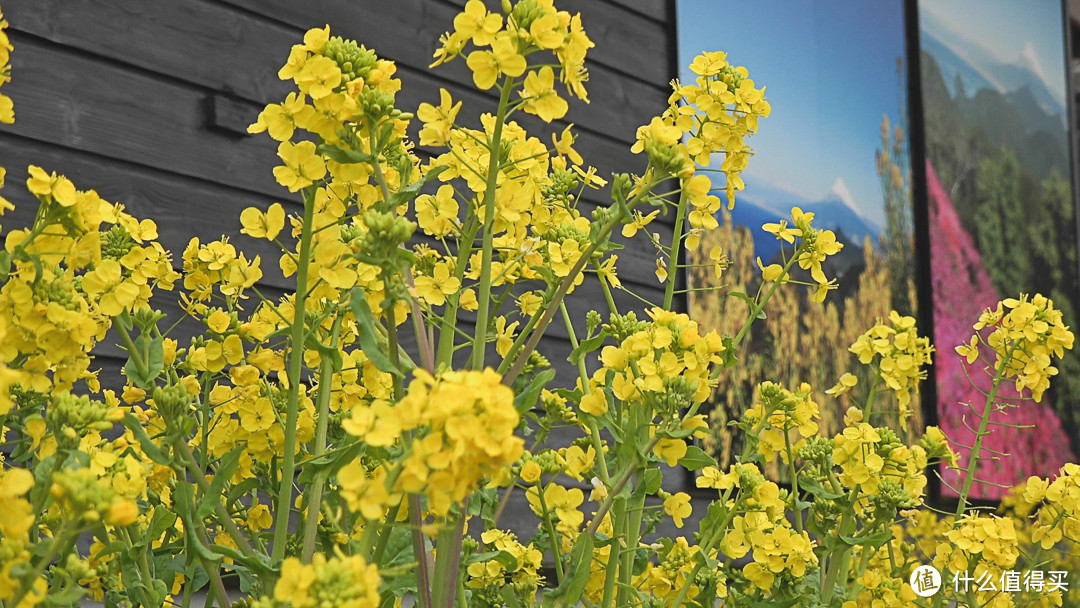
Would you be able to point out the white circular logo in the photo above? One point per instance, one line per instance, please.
(925, 581)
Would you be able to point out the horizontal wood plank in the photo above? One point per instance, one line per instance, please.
(65, 98)
(182, 207)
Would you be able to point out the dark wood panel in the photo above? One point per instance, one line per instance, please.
(619, 104)
(625, 41)
(654, 9)
(249, 70)
(182, 207)
(192, 40)
(68, 99)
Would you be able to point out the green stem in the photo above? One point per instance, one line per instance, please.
(869, 407)
(608, 297)
(142, 565)
(797, 512)
(226, 521)
(384, 534)
(837, 563)
(673, 258)
(447, 564)
(494, 147)
(60, 544)
(217, 586)
(976, 448)
(315, 490)
(635, 508)
(582, 371)
(423, 570)
(521, 357)
(129, 346)
(614, 490)
(611, 569)
(445, 353)
(555, 544)
(296, 363)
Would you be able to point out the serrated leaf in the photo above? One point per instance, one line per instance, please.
(696, 458)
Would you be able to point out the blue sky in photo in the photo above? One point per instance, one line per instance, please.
(830, 68)
(995, 37)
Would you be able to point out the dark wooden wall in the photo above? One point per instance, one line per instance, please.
(148, 103)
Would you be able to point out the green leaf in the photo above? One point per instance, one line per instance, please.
(163, 520)
(526, 399)
(872, 540)
(148, 446)
(507, 560)
(342, 155)
(569, 592)
(329, 463)
(818, 490)
(152, 352)
(586, 347)
(510, 597)
(774, 603)
(223, 473)
(749, 301)
(409, 192)
(368, 337)
(715, 514)
(696, 458)
(651, 480)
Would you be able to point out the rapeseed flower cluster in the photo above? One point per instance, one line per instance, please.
(462, 426)
(1024, 334)
(349, 582)
(898, 355)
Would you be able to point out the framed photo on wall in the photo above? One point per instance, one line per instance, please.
(999, 169)
(835, 145)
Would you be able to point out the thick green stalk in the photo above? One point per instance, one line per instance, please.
(632, 531)
(315, 490)
(673, 258)
(447, 562)
(217, 586)
(495, 147)
(445, 352)
(296, 366)
(611, 568)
